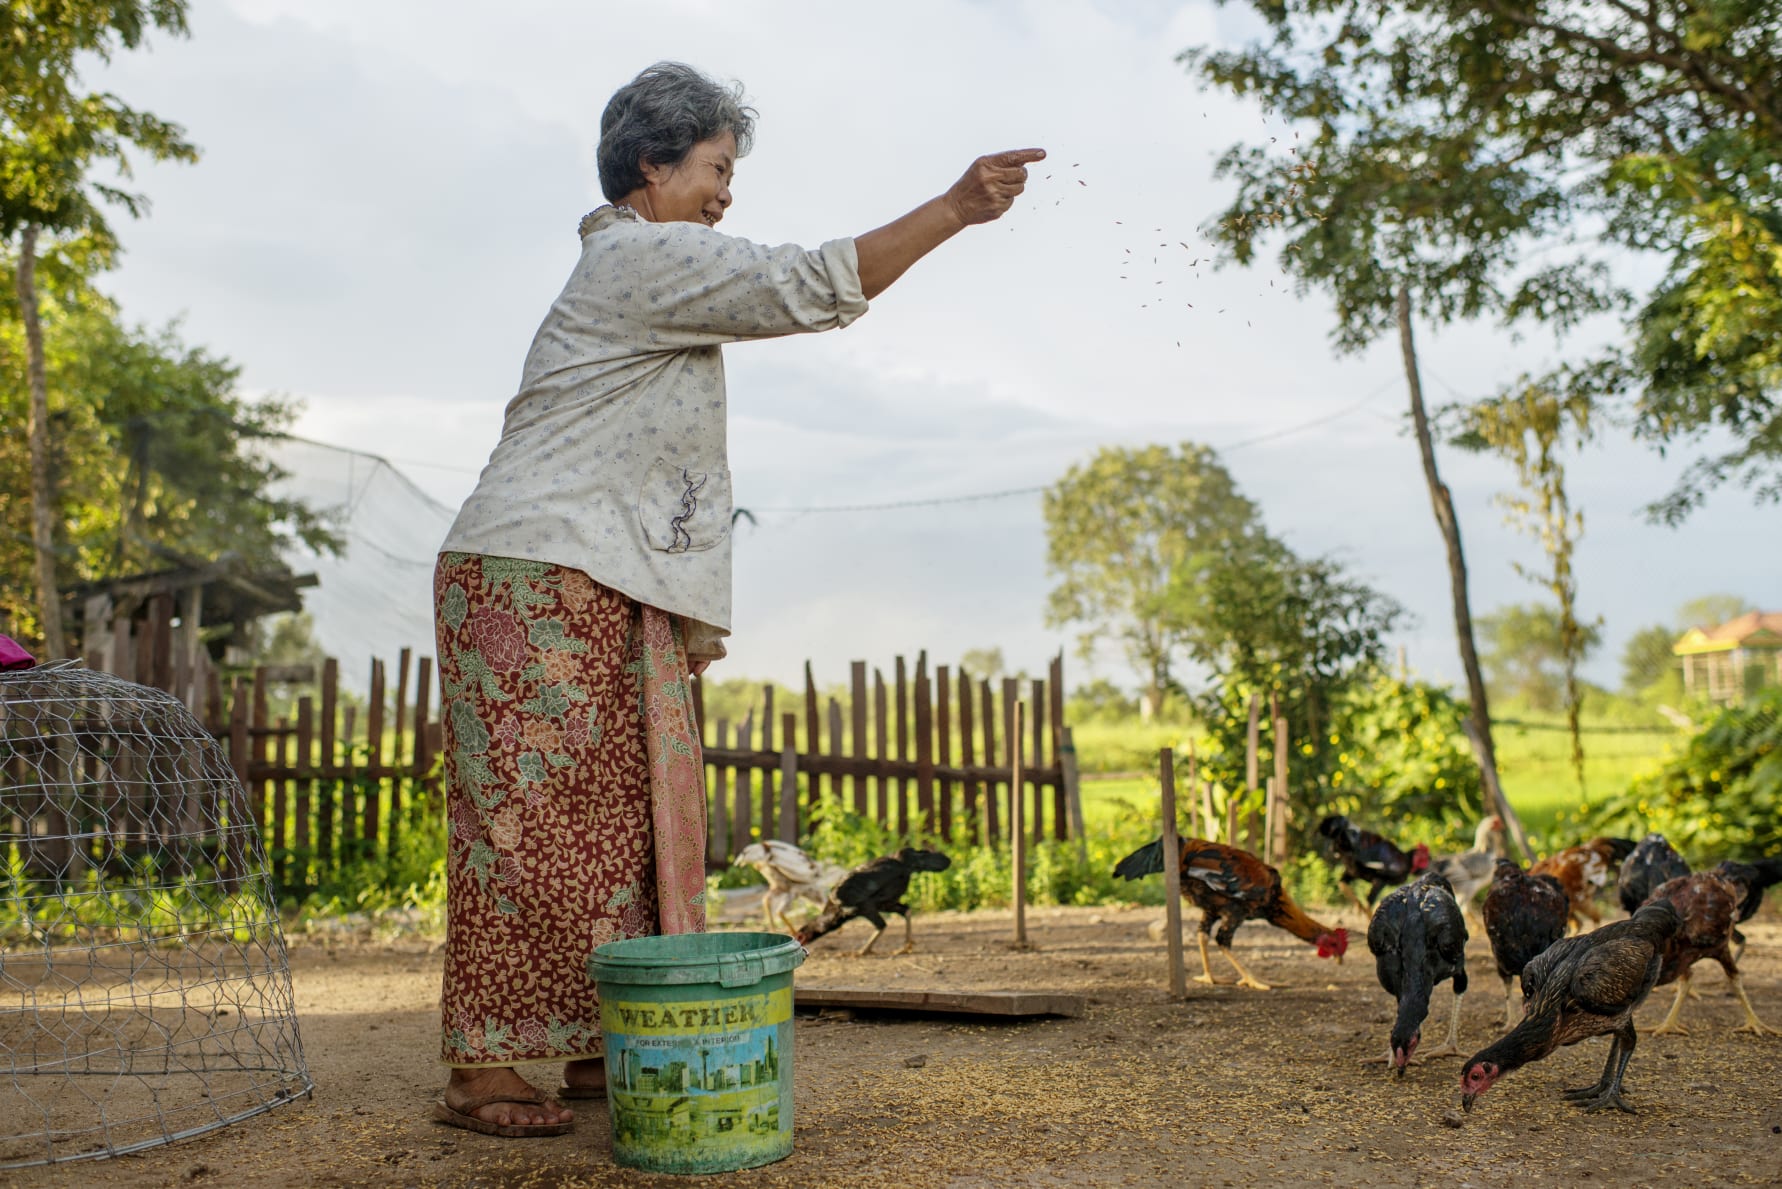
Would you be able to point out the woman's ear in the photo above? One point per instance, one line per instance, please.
(653, 173)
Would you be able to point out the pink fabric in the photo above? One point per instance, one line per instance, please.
(677, 774)
(14, 657)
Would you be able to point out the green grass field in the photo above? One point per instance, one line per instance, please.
(1534, 762)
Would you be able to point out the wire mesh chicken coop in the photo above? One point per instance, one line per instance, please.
(145, 994)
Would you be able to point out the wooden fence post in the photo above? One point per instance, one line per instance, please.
(857, 720)
(1073, 792)
(1282, 807)
(1017, 835)
(722, 848)
(924, 749)
(969, 788)
(1251, 743)
(788, 779)
(943, 746)
(1172, 879)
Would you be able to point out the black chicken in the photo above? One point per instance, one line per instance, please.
(871, 891)
(1524, 914)
(1652, 862)
(1707, 904)
(1577, 988)
(1418, 938)
(1369, 858)
(1752, 880)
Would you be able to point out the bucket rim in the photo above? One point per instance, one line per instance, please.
(631, 960)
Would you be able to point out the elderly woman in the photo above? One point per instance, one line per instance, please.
(589, 574)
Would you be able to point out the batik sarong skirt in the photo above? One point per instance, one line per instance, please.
(575, 799)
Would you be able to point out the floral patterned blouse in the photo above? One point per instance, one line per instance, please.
(612, 458)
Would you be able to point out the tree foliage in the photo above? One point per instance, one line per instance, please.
(153, 455)
(1525, 655)
(1498, 157)
(1721, 795)
(1646, 658)
(54, 133)
(1128, 530)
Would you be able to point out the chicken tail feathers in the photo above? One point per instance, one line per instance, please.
(1146, 860)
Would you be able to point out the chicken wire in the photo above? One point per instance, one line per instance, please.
(145, 994)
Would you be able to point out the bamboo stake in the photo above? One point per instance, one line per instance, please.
(1172, 879)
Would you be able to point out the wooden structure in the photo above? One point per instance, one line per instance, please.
(922, 755)
(1730, 662)
(332, 777)
(172, 628)
(1005, 1004)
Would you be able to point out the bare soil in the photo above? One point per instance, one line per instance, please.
(1231, 1087)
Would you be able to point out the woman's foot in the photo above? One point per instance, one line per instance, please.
(585, 1078)
(469, 1084)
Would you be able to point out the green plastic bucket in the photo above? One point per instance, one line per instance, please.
(698, 1034)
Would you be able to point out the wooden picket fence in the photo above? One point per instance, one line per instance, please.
(331, 780)
(920, 755)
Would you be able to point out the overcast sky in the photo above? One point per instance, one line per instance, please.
(387, 204)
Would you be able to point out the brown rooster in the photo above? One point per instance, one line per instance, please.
(1583, 871)
(1709, 904)
(1233, 886)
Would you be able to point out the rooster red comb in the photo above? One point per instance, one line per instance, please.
(1333, 944)
(1420, 858)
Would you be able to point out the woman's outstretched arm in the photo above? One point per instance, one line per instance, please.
(988, 189)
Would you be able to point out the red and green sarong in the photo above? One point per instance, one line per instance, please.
(575, 799)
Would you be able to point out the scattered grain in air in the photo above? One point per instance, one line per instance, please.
(1081, 182)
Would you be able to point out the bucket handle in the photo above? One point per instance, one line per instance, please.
(741, 970)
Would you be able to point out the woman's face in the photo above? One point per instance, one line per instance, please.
(695, 191)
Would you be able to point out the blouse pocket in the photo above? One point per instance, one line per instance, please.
(682, 510)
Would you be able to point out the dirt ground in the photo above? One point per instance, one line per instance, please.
(1231, 1087)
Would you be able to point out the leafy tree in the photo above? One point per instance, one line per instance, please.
(1646, 658)
(1297, 634)
(153, 461)
(1126, 530)
(1710, 611)
(1565, 131)
(1720, 796)
(52, 134)
(985, 664)
(1525, 654)
(1396, 215)
(1100, 699)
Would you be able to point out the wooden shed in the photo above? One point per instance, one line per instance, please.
(172, 628)
(1726, 664)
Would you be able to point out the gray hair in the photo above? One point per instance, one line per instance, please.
(659, 116)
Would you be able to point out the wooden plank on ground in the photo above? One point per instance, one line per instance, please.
(974, 1003)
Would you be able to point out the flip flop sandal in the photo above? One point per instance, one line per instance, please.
(581, 1093)
(461, 1116)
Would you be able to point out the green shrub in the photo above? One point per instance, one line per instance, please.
(1720, 795)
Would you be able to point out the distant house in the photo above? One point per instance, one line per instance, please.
(1728, 663)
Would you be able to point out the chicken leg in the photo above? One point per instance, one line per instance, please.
(909, 940)
(1206, 968)
(873, 940)
(1451, 1046)
(1245, 978)
(1671, 1026)
(1752, 1024)
(1607, 1092)
(1509, 1006)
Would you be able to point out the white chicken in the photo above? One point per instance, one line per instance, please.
(791, 875)
(1470, 872)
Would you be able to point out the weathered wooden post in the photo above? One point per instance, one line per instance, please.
(1281, 810)
(788, 778)
(1073, 792)
(1172, 879)
(1250, 774)
(1017, 835)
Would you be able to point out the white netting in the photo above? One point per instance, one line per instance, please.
(144, 990)
(376, 598)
